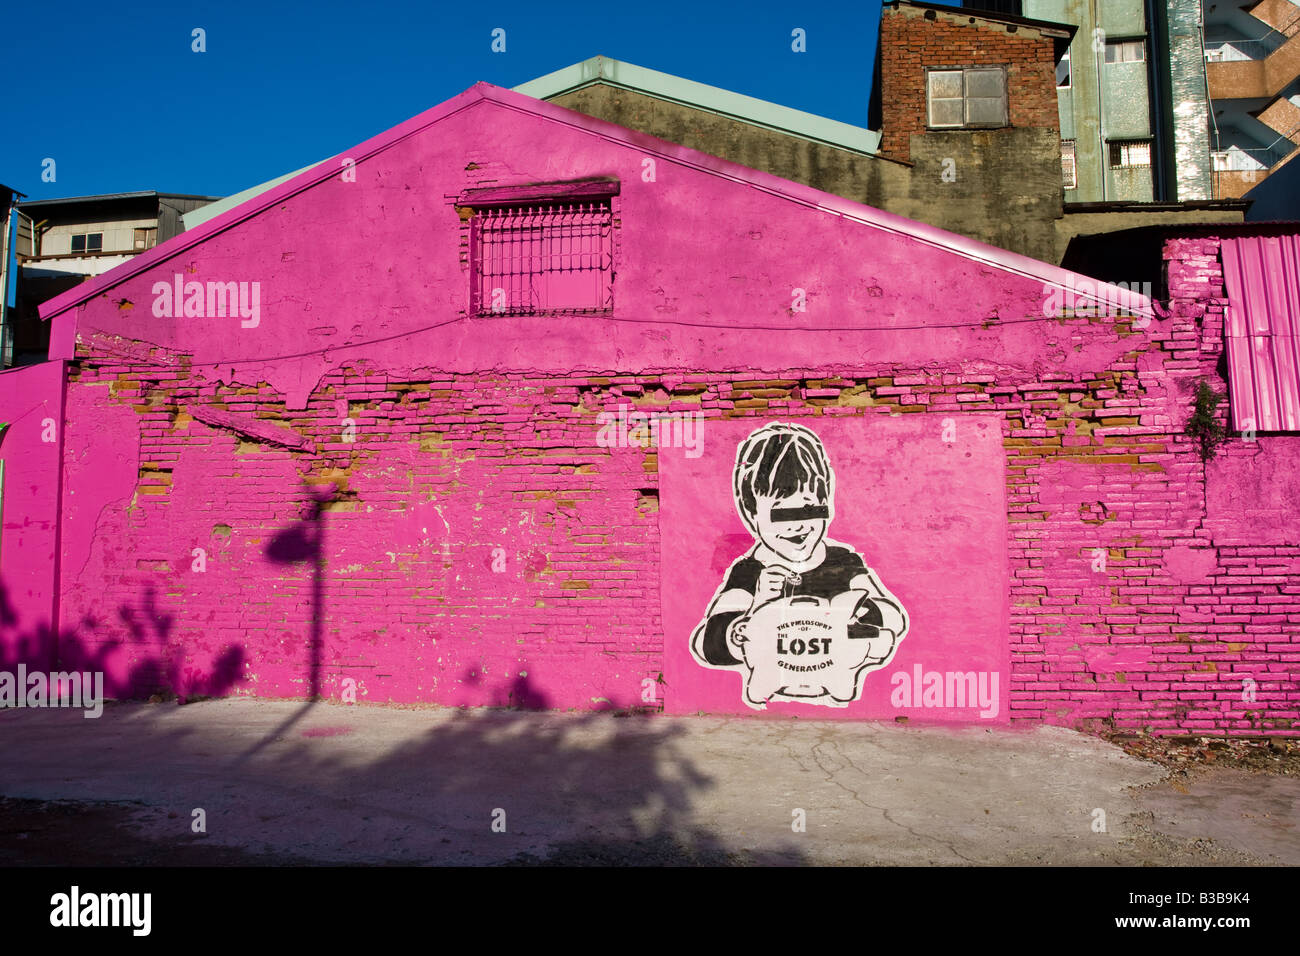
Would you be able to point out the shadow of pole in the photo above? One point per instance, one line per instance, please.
(304, 543)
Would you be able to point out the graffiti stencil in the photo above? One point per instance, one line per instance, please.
(800, 616)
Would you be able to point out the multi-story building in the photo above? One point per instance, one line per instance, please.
(996, 177)
(61, 242)
(964, 130)
(88, 235)
(1252, 53)
(1133, 102)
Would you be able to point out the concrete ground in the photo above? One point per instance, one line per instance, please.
(284, 782)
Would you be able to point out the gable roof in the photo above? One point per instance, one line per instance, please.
(700, 96)
(61, 345)
(662, 86)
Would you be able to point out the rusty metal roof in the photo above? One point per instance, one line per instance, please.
(1262, 277)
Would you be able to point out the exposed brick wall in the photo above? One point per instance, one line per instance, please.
(910, 44)
(1125, 612)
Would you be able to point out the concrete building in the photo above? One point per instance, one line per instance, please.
(997, 183)
(534, 459)
(1133, 103)
(996, 179)
(1253, 69)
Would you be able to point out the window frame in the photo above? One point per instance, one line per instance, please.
(478, 206)
(966, 123)
(1121, 147)
(1070, 147)
(85, 238)
(1126, 43)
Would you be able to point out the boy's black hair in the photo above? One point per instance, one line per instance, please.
(777, 461)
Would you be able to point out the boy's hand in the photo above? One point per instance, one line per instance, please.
(771, 585)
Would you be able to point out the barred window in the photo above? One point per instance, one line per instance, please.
(1130, 153)
(543, 258)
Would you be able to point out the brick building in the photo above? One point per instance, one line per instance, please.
(292, 452)
(999, 178)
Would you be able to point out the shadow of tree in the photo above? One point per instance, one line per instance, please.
(159, 665)
(568, 790)
(589, 789)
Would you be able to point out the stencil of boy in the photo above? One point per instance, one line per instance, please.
(801, 613)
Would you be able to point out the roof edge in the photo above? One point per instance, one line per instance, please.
(301, 182)
(989, 16)
(971, 249)
(690, 93)
(110, 197)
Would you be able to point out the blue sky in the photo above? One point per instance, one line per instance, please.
(115, 95)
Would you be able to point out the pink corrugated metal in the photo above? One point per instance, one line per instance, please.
(1262, 275)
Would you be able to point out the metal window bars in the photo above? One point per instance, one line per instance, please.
(544, 259)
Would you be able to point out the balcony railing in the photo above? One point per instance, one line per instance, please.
(1228, 51)
(23, 257)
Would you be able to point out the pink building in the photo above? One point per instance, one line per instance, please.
(476, 413)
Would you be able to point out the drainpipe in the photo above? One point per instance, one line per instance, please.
(6, 333)
(1209, 102)
(1099, 60)
(1160, 84)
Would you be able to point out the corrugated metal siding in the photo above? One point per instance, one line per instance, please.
(171, 211)
(1262, 276)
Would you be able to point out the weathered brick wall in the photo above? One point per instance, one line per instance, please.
(911, 42)
(370, 488)
(524, 563)
(1132, 610)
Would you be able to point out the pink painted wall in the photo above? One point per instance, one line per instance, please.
(31, 401)
(389, 493)
(926, 510)
(707, 265)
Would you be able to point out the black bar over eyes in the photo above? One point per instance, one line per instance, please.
(806, 513)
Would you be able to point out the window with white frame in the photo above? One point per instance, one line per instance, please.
(1125, 51)
(1069, 165)
(1124, 153)
(974, 97)
(85, 242)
